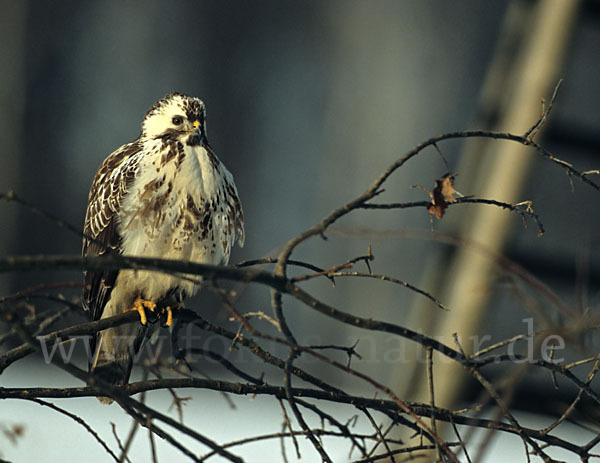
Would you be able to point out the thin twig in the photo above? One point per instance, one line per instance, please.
(381, 437)
(391, 280)
(122, 448)
(574, 403)
(288, 424)
(429, 351)
(532, 132)
(78, 420)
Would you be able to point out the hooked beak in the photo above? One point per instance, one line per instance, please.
(198, 137)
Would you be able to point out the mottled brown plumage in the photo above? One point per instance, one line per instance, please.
(164, 195)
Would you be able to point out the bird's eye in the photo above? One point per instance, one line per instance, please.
(177, 120)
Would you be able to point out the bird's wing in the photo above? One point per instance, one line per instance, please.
(234, 209)
(101, 227)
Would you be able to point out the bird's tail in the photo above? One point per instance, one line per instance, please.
(113, 356)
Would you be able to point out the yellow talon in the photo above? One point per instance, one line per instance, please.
(139, 305)
(169, 315)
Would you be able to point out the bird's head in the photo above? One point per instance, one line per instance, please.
(177, 117)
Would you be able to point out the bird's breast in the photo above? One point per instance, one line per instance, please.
(177, 206)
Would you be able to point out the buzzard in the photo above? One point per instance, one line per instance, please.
(164, 195)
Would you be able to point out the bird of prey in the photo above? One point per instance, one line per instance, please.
(164, 195)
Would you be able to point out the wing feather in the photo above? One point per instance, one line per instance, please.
(234, 209)
(110, 185)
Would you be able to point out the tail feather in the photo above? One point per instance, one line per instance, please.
(113, 373)
(113, 357)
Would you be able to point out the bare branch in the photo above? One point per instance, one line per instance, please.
(305, 402)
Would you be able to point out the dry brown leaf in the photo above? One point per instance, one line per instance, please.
(442, 195)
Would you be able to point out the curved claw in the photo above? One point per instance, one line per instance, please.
(170, 310)
(139, 305)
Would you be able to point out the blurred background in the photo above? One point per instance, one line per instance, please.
(307, 103)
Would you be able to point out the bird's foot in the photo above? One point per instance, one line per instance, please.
(169, 314)
(139, 305)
